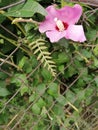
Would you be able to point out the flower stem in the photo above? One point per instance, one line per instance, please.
(16, 20)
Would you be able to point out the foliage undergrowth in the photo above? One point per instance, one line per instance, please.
(43, 85)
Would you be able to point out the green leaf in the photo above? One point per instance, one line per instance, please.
(19, 79)
(4, 92)
(6, 2)
(41, 88)
(91, 34)
(28, 10)
(49, 99)
(3, 75)
(81, 95)
(70, 96)
(1, 41)
(4, 117)
(2, 18)
(33, 61)
(61, 99)
(70, 72)
(80, 83)
(96, 81)
(58, 110)
(86, 53)
(46, 74)
(43, 112)
(62, 58)
(27, 67)
(84, 71)
(22, 62)
(77, 63)
(96, 50)
(61, 69)
(89, 92)
(95, 62)
(2, 84)
(24, 90)
(32, 97)
(41, 103)
(36, 109)
(88, 96)
(65, 3)
(53, 89)
(17, 7)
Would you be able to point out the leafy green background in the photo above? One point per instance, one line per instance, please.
(32, 96)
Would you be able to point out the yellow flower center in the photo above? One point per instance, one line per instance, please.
(60, 25)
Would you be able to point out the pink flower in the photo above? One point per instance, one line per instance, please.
(60, 23)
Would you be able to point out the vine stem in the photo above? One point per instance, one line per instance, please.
(25, 20)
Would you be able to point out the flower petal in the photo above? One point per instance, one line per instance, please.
(76, 33)
(49, 23)
(55, 35)
(70, 15)
(52, 11)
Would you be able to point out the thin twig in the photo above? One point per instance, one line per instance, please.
(34, 70)
(88, 2)
(84, 45)
(8, 62)
(11, 121)
(8, 31)
(11, 5)
(9, 74)
(92, 12)
(5, 60)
